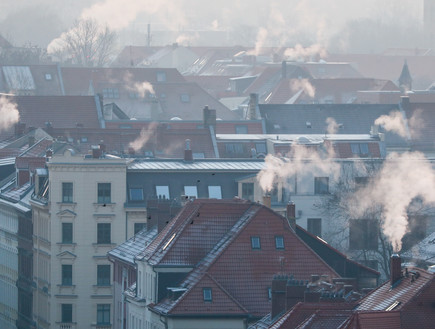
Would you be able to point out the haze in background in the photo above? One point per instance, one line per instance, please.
(339, 25)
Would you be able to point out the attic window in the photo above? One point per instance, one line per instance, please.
(191, 191)
(207, 294)
(308, 124)
(255, 242)
(393, 306)
(48, 76)
(279, 242)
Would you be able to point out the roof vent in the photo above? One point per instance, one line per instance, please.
(308, 124)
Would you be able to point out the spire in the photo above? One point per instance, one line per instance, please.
(405, 80)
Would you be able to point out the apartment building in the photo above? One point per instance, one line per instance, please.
(78, 216)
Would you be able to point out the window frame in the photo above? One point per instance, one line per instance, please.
(165, 191)
(104, 230)
(319, 185)
(136, 189)
(67, 233)
(193, 188)
(214, 192)
(66, 275)
(67, 192)
(66, 313)
(279, 245)
(255, 243)
(103, 275)
(244, 188)
(207, 294)
(102, 197)
(103, 314)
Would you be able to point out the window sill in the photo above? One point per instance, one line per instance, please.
(98, 205)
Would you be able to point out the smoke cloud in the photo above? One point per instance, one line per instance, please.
(9, 114)
(301, 53)
(302, 161)
(305, 85)
(396, 123)
(332, 126)
(144, 136)
(141, 88)
(402, 179)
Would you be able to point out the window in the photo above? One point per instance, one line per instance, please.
(207, 294)
(321, 185)
(66, 275)
(360, 149)
(104, 191)
(67, 233)
(136, 194)
(191, 191)
(161, 76)
(241, 129)
(67, 192)
(162, 192)
(139, 227)
(260, 147)
(248, 191)
(314, 226)
(255, 242)
(103, 314)
(103, 275)
(214, 192)
(363, 234)
(66, 313)
(185, 98)
(103, 233)
(110, 93)
(234, 148)
(279, 242)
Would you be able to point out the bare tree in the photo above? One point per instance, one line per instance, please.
(88, 43)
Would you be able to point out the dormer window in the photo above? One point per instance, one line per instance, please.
(207, 294)
(308, 124)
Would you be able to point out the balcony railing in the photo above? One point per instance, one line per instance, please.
(67, 326)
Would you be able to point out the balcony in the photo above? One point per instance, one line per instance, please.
(66, 326)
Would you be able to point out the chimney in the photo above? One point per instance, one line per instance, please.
(405, 103)
(19, 129)
(48, 153)
(188, 155)
(102, 147)
(284, 70)
(291, 215)
(396, 269)
(209, 117)
(31, 140)
(96, 152)
(295, 293)
(278, 294)
(253, 110)
(267, 201)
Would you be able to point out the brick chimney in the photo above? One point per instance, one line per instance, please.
(295, 293)
(279, 283)
(291, 215)
(267, 201)
(188, 155)
(396, 269)
(253, 110)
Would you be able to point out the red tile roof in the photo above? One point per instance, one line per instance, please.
(61, 111)
(214, 237)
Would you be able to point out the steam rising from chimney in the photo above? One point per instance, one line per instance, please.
(9, 114)
(305, 85)
(332, 126)
(141, 88)
(144, 137)
(302, 162)
(403, 179)
(300, 53)
(396, 123)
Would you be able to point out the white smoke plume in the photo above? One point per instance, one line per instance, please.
(305, 85)
(402, 179)
(141, 88)
(394, 122)
(9, 114)
(145, 135)
(302, 161)
(332, 126)
(301, 53)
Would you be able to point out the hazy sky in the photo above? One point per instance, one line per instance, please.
(283, 21)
